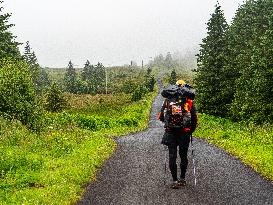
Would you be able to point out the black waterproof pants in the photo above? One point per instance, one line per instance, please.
(180, 139)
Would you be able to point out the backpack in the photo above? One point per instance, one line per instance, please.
(178, 112)
(170, 92)
(174, 91)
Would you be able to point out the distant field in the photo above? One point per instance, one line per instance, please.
(57, 74)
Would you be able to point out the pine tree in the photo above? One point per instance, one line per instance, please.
(99, 78)
(55, 100)
(43, 80)
(86, 71)
(8, 45)
(169, 61)
(70, 78)
(151, 84)
(39, 75)
(149, 71)
(92, 81)
(252, 32)
(138, 93)
(31, 59)
(149, 80)
(159, 60)
(173, 77)
(211, 61)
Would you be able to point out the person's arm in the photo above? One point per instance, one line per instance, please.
(160, 115)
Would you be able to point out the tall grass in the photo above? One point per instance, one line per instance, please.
(250, 143)
(53, 167)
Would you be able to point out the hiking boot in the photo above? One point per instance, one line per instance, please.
(175, 185)
(181, 182)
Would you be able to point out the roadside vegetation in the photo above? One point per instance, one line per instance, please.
(52, 166)
(234, 73)
(235, 87)
(252, 144)
(52, 142)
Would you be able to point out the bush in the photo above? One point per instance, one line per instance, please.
(55, 100)
(17, 95)
(129, 86)
(150, 83)
(138, 93)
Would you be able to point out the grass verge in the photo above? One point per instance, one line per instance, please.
(54, 166)
(252, 144)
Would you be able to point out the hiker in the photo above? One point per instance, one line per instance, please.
(180, 118)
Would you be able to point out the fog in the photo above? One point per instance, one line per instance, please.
(113, 32)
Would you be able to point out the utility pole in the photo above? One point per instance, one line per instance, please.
(105, 81)
(142, 64)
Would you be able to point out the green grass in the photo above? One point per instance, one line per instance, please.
(50, 168)
(252, 144)
(54, 166)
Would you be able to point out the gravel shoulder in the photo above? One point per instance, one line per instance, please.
(135, 175)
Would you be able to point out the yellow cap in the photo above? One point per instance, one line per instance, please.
(180, 82)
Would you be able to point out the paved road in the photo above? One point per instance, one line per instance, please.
(134, 175)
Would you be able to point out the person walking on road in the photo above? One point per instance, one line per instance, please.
(179, 116)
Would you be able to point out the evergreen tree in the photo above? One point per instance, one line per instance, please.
(43, 80)
(129, 86)
(211, 61)
(173, 77)
(39, 75)
(70, 78)
(95, 77)
(149, 80)
(169, 61)
(85, 81)
(149, 71)
(99, 78)
(251, 32)
(151, 84)
(159, 60)
(55, 100)
(8, 45)
(31, 59)
(92, 81)
(138, 93)
(85, 75)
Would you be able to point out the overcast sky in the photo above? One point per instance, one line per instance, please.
(111, 31)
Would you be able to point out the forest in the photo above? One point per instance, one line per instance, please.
(234, 77)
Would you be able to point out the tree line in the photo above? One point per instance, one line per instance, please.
(92, 79)
(22, 79)
(234, 77)
(26, 91)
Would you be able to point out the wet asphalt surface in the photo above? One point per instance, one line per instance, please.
(135, 175)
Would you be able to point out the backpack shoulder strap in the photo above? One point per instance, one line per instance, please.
(166, 103)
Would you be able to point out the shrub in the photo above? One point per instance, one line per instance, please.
(138, 93)
(55, 100)
(129, 86)
(173, 77)
(150, 83)
(17, 95)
